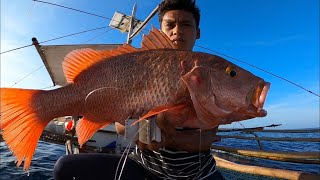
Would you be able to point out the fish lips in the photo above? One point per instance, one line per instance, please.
(258, 100)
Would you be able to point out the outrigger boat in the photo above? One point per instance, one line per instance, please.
(106, 140)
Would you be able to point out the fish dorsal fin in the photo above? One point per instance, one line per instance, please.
(79, 60)
(156, 40)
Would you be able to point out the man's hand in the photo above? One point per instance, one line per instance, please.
(188, 140)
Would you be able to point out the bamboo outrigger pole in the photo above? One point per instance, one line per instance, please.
(272, 139)
(263, 171)
(298, 157)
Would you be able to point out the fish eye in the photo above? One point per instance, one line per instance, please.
(231, 72)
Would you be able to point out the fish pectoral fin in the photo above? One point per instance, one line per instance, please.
(86, 128)
(156, 40)
(160, 109)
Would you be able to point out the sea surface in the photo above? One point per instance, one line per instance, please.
(47, 154)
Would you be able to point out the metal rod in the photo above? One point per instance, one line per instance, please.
(145, 22)
(133, 14)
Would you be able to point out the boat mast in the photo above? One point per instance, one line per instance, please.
(130, 24)
(144, 22)
(134, 9)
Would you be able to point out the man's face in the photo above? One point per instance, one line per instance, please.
(180, 26)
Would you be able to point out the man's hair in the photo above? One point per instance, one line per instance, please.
(186, 5)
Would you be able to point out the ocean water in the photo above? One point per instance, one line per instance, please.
(47, 154)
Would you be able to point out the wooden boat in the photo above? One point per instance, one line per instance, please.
(107, 140)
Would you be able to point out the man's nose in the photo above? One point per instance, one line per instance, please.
(177, 30)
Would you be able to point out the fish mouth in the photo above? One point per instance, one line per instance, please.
(258, 99)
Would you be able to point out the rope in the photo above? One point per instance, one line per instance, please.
(72, 9)
(27, 75)
(256, 67)
(54, 39)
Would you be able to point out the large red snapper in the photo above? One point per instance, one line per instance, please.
(108, 86)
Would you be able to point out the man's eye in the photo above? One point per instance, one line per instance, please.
(169, 25)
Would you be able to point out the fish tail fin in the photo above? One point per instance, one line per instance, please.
(21, 122)
(86, 128)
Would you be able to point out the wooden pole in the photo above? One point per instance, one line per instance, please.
(260, 129)
(298, 157)
(272, 139)
(263, 171)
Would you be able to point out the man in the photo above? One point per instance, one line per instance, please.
(182, 154)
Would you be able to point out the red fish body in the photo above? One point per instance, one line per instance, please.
(108, 86)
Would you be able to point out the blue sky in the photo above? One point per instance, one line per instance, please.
(279, 36)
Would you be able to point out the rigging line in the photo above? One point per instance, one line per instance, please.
(73, 34)
(16, 48)
(241, 124)
(28, 75)
(284, 79)
(98, 35)
(76, 10)
(31, 8)
(44, 88)
(54, 39)
(72, 9)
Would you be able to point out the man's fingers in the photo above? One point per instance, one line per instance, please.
(137, 113)
(216, 139)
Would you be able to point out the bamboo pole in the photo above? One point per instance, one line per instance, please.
(298, 157)
(272, 139)
(263, 171)
(261, 129)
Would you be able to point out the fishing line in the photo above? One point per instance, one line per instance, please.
(284, 79)
(98, 35)
(54, 4)
(93, 91)
(55, 39)
(16, 48)
(127, 149)
(31, 8)
(27, 75)
(47, 87)
(200, 144)
(92, 14)
(74, 34)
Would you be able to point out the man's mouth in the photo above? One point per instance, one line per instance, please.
(177, 40)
